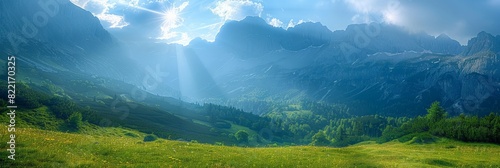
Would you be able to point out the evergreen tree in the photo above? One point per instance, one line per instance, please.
(340, 133)
(435, 113)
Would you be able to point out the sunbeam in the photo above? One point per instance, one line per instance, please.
(145, 9)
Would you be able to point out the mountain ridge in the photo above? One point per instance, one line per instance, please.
(423, 57)
(60, 36)
(251, 59)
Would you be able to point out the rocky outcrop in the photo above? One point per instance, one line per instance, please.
(56, 36)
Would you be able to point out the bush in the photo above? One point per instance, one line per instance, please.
(75, 120)
(273, 145)
(418, 138)
(390, 133)
(407, 138)
(319, 139)
(131, 134)
(241, 136)
(150, 138)
(423, 138)
(450, 146)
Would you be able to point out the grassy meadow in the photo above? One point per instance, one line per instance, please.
(118, 147)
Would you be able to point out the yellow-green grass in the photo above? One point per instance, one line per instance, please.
(40, 148)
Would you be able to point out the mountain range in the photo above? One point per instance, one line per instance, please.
(374, 68)
(391, 70)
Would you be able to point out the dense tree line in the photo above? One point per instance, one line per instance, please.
(462, 127)
(61, 107)
(29, 98)
(347, 131)
(304, 123)
(308, 121)
(343, 132)
(217, 114)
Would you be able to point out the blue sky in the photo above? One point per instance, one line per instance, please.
(179, 21)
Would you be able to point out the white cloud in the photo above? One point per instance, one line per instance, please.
(115, 21)
(375, 10)
(275, 22)
(459, 19)
(365, 6)
(237, 9)
(183, 6)
(100, 9)
(293, 24)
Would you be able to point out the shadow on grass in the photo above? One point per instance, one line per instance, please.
(440, 162)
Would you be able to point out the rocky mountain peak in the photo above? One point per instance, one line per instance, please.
(443, 37)
(483, 42)
(57, 22)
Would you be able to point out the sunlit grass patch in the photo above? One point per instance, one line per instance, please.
(111, 147)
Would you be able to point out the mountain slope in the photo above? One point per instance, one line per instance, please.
(59, 36)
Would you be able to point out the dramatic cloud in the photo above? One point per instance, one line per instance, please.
(293, 24)
(179, 21)
(275, 22)
(460, 19)
(374, 10)
(237, 9)
(100, 9)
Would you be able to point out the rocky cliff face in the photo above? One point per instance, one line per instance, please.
(394, 73)
(56, 36)
(483, 42)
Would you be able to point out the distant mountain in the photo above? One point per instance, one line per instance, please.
(483, 42)
(59, 36)
(389, 73)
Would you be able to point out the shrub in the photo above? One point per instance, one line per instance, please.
(406, 138)
(319, 139)
(390, 133)
(131, 134)
(241, 136)
(450, 146)
(418, 138)
(150, 138)
(423, 138)
(75, 120)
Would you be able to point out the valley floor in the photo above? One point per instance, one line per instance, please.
(40, 148)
